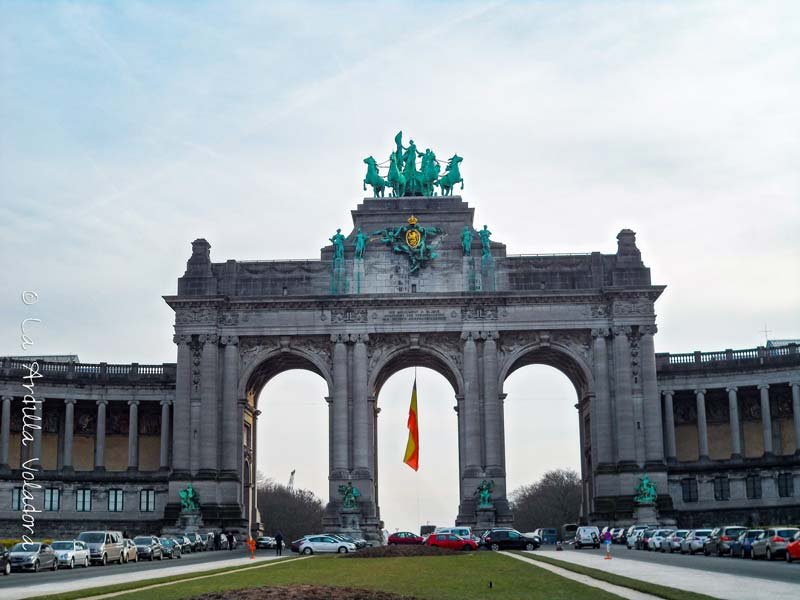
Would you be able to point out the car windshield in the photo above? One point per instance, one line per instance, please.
(702, 533)
(97, 537)
(166, 541)
(786, 533)
(23, 547)
(142, 541)
(754, 533)
(62, 545)
(681, 534)
(736, 531)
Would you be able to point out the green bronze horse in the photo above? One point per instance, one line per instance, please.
(377, 182)
(451, 177)
(397, 181)
(429, 173)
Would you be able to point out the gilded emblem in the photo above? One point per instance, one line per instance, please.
(413, 238)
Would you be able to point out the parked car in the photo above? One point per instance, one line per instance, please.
(587, 535)
(33, 557)
(546, 535)
(508, 539)
(104, 546)
(359, 542)
(451, 541)
(618, 535)
(772, 542)
(404, 537)
(197, 542)
(324, 543)
(170, 547)
(464, 532)
(5, 560)
(265, 543)
(295, 545)
(632, 537)
(693, 542)
(643, 541)
(673, 541)
(741, 546)
(71, 553)
(148, 547)
(129, 551)
(720, 539)
(657, 539)
(186, 544)
(793, 548)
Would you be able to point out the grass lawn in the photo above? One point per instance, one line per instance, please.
(460, 577)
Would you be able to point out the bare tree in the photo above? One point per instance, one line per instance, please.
(550, 502)
(293, 512)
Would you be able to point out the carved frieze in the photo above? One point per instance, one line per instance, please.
(349, 315)
(197, 351)
(479, 313)
(196, 315)
(626, 308)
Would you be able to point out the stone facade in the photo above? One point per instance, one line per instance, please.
(355, 322)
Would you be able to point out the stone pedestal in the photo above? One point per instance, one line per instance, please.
(645, 514)
(188, 522)
(485, 518)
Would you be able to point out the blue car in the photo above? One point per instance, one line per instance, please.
(740, 547)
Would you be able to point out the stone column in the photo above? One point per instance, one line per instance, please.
(702, 427)
(133, 435)
(181, 436)
(766, 419)
(361, 416)
(230, 383)
(492, 407)
(100, 442)
(5, 432)
(255, 515)
(472, 419)
(733, 411)
(165, 436)
(69, 433)
(669, 425)
(341, 438)
(653, 432)
(459, 410)
(209, 427)
(600, 410)
(37, 433)
(795, 411)
(626, 453)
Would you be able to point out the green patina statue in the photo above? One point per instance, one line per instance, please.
(485, 244)
(350, 495)
(360, 243)
(645, 491)
(411, 240)
(405, 179)
(190, 500)
(484, 494)
(338, 244)
(466, 241)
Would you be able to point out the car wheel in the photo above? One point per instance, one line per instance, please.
(71, 563)
(468, 548)
(54, 567)
(104, 560)
(529, 546)
(160, 556)
(36, 566)
(342, 550)
(769, 554)
(124, 560)
(741, 553)
(150, 558)
(7, 569)
(308, 551)
(86, 563)
(788, 557)
(495, 547)
(706, 552)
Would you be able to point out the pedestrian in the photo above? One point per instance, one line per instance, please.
(607, 542)
(279, 544)
(217, 540)
(230, 540)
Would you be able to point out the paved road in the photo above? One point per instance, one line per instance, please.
(66, 575)
(775, 570)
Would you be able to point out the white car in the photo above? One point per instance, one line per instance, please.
(693, 542)
(673, 541)
(587, 536)
(658, 537)
(324, 543)
(71, 553)
(464, 532)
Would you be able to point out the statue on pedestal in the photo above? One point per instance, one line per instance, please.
(484, 494)
(645, 491)
(350, 495)
(485, 244)
(190, 500)
(338, 244)
(466, 241)
(360, 243)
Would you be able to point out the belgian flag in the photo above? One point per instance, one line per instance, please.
(412, 446)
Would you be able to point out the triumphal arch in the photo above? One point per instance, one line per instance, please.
(415, 282)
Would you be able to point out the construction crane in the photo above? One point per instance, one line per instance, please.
(291, 480)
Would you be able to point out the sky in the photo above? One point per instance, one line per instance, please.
(128, 129)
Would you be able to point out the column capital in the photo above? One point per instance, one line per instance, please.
(648, 329)
(359, 338)
(699, 391)
(489, 335)
(69, 400)
(133, 402)
(209, 338)
(668, 392)
(165, 402)
(470, 335)
(340, 338)
(229, 340)
(182, 339)
(794, 383)
(763, 386)
(9, 398)
(101, 402)
(601, 332)
(731, 388)
(620, 330)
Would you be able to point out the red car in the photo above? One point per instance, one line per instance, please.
(404, 537)
(450, 540)
(793, 548)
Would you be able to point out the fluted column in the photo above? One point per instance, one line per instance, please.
(100, 438)
(733, 412)
(796, 412)
(165, 435)
(5, 431)
(492, 407)
(69, 433)
(460, 413)
(623, 397)
(255, 515)
(181, 435)
(669, 425)
(361, 416)
(341, 463)
(766, 419)
(702, 426)
(133, 435)
(472, 419)
(209, 427)
(230, 382)
(600, 409)
(37, 433)
(653, 432)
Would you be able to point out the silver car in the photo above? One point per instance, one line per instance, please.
(672, 542)
(694, 541)
(104, 546)
(657, 539)
(325, 543)
(772, 542)
(32, 557)
(71, 553)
